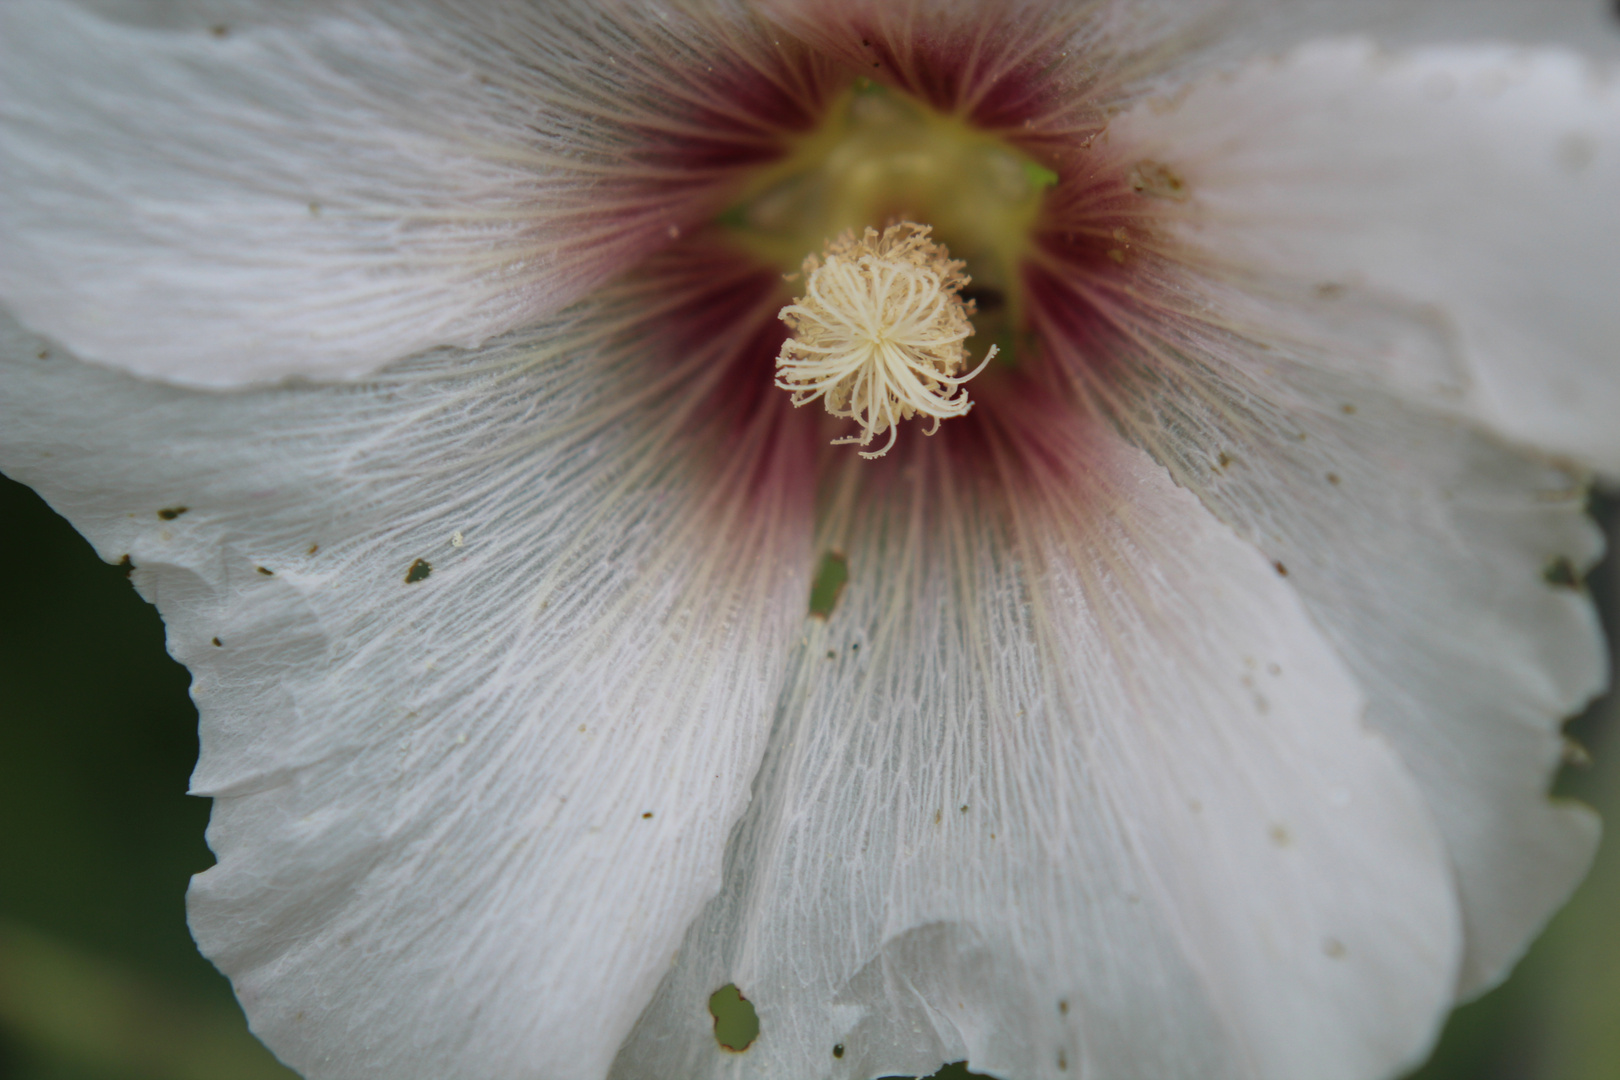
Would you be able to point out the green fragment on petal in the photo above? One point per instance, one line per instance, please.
(736, 1024)
(829, 583)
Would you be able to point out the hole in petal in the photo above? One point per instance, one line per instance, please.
(1575, 755)
(172, 512)
(1561, 573)
(419, 571)
(957, 1070)
(831, 577)
(736, 1025)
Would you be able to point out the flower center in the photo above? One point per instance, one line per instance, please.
(880, 333)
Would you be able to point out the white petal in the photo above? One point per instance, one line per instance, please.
(1442, 565)
(1080, 793)
(1471, 188)
(1588, 25)
(322, 190)
(463, 822)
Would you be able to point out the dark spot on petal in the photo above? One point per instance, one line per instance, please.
(832, 655)
(172, 512)
(877, 63)
(838, 1050)
(736, 1024)
(1334, 948)
(1223, 459)
(1348, 410)
(218, 642)
(1333, 478)
(313, 548)
(127, 565)
(1063, 1007)
(1281, 569)
(855, 647)
(1561, 574)
(1063, 1061)
(314, 208)
(939, 815)
(1329, 291)
(265, 571)
(43, 354)
(419, 571)
(1157, 181)
(647, 815)
(829, 583)
(964, 808)
(219, 30)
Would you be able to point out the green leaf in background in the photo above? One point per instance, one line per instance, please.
(75, 1009)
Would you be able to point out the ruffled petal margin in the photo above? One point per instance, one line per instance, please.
(485, 652)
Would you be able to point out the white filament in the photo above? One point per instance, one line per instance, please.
(878, 335)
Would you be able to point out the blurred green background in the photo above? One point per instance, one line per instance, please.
(99, 979)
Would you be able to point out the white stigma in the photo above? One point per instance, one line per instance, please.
(878, 334)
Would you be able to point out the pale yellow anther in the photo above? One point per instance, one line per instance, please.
(878, 334)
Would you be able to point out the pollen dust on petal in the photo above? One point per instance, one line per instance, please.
(878, 335)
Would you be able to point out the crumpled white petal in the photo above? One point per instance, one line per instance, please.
(1068, 785)
(323, 189)
(1391, 291)
(1443, 566)
(462, 819)
(1444, 569)
(1472, 189)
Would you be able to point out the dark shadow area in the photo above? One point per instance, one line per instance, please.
(98, 837)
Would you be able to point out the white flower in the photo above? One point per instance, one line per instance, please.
(1190, 707)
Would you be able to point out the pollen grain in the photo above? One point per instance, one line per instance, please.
(878, 335)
